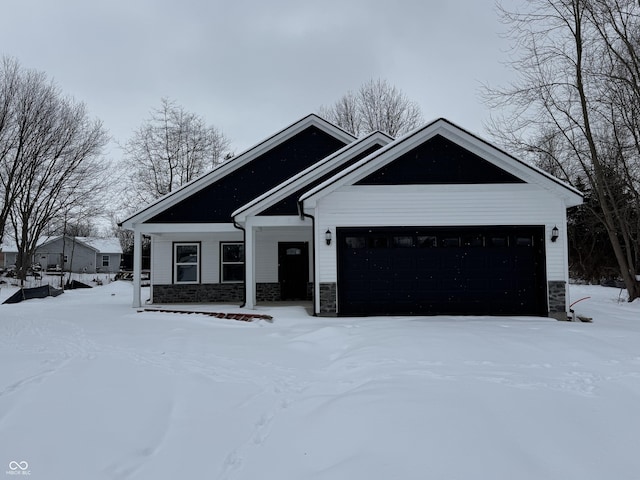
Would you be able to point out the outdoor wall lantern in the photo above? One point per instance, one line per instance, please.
(327, 236)
(554, 233)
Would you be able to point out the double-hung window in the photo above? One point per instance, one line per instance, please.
(232, 262)
(105, 260)
(186, 266)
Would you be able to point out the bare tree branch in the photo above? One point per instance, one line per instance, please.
(578, 69)
(376, 106)
(170, 149)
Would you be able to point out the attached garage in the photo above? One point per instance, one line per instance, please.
(440, 222)
(435, 270)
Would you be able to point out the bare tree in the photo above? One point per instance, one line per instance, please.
(125, 237)
(376, 106)
(53, 164)
(345, 113)
(170, 149)
(578, 78)
(9, 166)
(74, 227)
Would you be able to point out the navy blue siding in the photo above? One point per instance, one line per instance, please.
(438, 161)
(215, 203)
(289, 205)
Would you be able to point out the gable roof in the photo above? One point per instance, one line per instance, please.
(102, 245)
(235, 164)
(459, 136)
(290, 189)
(9, 244)
(99, 244)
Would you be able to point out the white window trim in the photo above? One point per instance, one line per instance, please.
(108, 264)
(176, 264)
(223, 263)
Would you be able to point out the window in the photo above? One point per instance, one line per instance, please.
(405, 241)
(105, 260)
(450, 241)
(232, 262)
(378, 242)
(524, 241)
(186, 268)
(356, 242)
(498, 241)
(427, 241)
(473, 241)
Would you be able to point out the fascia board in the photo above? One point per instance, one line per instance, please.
(164, 228)
(287, 187)
(232, 164)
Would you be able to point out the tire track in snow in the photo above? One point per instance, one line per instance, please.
(28, 381)
(138, 458)
(286, 390)
(32, 379)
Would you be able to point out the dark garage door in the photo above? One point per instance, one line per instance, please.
(434, 271)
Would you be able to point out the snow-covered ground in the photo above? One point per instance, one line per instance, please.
(91, 389)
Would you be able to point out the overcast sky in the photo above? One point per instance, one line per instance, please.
(252, 67)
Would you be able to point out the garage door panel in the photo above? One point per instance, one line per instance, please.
(425, 270)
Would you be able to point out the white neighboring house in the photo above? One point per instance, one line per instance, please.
(80, 254)
(438, 221)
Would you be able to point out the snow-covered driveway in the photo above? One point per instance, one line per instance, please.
(91, 389)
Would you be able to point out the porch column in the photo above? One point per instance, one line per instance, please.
(137, 267)
(249, 259)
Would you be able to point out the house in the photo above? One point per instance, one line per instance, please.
(77, 254)
(438, 221)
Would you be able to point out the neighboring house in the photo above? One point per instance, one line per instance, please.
(436, 222)
(9, 253)
(80, 254)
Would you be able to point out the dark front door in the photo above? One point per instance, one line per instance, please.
(293, 270)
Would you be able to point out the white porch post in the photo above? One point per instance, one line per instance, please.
(250, 266)
(137, 267)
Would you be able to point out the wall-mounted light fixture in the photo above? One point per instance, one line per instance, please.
(327, 236)
(555, 233)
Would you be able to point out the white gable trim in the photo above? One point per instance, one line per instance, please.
(232, 164)
(160, 228)
(313, 172)
(470, 142)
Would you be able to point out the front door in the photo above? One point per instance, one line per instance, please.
(293, 270)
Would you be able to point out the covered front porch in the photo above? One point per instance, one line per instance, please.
(278, 260)
(262, 261)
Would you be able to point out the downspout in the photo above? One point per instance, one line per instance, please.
(313, 250)
(244, 242)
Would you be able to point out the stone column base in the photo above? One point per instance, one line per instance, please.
(557, 299)
(328, 299)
